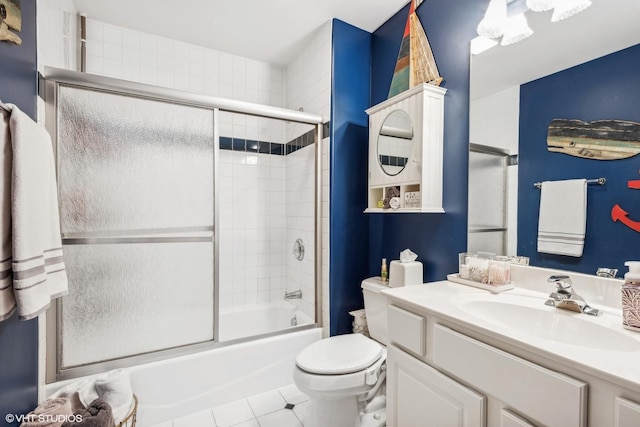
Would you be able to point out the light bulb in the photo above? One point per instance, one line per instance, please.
(492, 25)
(516, 29)
(540, 5)
(566, 8)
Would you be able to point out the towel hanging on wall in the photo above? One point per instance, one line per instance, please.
(563, 217)
(32, 270)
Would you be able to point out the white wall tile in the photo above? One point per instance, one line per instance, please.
(250, 272)
(112, 34)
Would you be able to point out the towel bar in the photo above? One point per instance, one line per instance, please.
(599, 181)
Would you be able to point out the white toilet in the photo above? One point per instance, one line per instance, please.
(344, 376)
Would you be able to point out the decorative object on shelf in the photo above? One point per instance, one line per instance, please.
(10, 21)
(415, 64)
(598, 140)
(394, 203)
(405, 151)
(391, 193)
(412, 199)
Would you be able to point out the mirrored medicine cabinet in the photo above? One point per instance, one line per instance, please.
(405, 152)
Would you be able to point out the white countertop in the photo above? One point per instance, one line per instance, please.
(613, 354)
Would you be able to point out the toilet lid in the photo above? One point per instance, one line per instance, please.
(342, 354)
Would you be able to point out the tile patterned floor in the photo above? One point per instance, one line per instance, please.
(283, 407)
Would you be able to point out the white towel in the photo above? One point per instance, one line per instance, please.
(114, 387)
(7, 300)
(563, 217)
(37, 272)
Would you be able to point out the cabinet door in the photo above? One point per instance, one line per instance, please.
(509, 419)
(420, 396)
(627, 413)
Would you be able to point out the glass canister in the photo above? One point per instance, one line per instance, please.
(463, 264)
(631, 297)
(479, 267)
(499, 271)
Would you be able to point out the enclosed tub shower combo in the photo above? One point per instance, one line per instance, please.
(180, 215)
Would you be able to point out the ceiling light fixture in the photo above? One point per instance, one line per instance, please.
(565, 8)
(541, 5)
(506, 18)
(492, 25)
(516, 29)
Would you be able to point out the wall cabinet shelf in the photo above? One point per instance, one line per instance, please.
(405, 152)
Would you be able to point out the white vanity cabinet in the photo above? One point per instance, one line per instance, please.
(405, 150)
(627, 413)
(524, 363)
(460, 381)
(420, 396)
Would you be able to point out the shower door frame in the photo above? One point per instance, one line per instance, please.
(504, 155)
(49, 84)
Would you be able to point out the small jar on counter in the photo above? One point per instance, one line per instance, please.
(631, 297)
(499, 271)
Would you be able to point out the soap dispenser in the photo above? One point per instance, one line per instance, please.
(631, 297)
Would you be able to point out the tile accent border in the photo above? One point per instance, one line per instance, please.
(265, 147)
(393, 161)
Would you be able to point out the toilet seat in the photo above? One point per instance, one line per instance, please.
(339, 355)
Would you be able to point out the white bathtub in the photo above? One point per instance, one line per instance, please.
(257, 319)
(184, 385)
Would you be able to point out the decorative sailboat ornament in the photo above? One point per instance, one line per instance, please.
(415, 64)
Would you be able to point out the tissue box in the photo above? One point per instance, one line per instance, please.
(405, 273)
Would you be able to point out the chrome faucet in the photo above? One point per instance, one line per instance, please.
(293, 295)
(565, 297)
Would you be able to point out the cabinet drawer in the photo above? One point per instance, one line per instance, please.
(407, 330)
(627, 413)
(544, 396)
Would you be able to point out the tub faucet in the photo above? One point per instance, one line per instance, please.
(565, 297)
(293, 295)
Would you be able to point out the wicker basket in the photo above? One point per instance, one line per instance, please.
(130, 420)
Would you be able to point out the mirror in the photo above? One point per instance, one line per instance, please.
(495, 100)
(395, 142)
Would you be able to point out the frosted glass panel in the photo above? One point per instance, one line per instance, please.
(487, 190)
(127, 163)
(492, 241)
(130, 299)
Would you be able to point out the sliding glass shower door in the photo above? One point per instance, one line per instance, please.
(136, 185)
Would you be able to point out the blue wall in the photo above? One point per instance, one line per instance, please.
(606, 88)
(436, 238)
(19, 340)
(351, 64)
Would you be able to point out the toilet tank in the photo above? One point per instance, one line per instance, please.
(375, 306)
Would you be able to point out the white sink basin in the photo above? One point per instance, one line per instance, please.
(528, 315)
